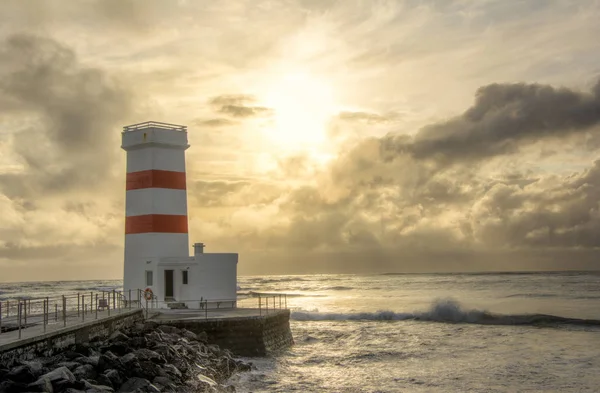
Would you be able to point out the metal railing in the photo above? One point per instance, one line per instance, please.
(154, 124)
(21, 313)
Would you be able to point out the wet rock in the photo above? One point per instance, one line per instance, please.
(169, 329)
(70, 365)
(119, 348)
(25, 373)
(94, 388)
(202, 337)
(118, 336)
(147, 354)
(108, 360)
(114, 377)
(85, 371)
(137, 342)
(9, 386)
(189, 335)
(133, 384)
(41, 385)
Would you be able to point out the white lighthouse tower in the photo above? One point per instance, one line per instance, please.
(156, 223)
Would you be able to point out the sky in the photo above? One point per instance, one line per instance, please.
(326, 136)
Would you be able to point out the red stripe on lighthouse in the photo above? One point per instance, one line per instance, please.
(162, 223)
(155, 178)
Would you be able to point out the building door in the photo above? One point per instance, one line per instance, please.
(169, 284)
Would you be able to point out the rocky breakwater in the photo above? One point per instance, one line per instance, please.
(144, 358)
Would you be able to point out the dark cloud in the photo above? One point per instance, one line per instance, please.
(74, 113)
(503, 119)
(239, 105)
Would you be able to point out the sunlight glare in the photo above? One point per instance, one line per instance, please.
(302, 107)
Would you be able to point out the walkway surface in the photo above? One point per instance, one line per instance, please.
(35, 326)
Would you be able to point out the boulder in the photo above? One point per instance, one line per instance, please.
(169, 329)
(108, 360)
(26, 372)
(114, 377)
(85, 371)
(148, 354)
(70, 365)
(118, 336)
(119, 348)
(189, 335)
(133, 384)
(43, 384)
(93, 388)
(8, 386)
(202, 337)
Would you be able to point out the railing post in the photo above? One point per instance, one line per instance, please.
(7, 308)
(64, 305)
(206, 309)
(91, 301)
(77, 303)
(108, 303)
(0, 317)
(280, 301)
(19, 316)
(56, 312)
(25, 311)
(96, 306)
(259, 306)
(129, 299)
(44, 316)
(146, 308)
(82, 309)
(114, 299)
(285, 299)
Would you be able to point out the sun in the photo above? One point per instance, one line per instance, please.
(302, 106)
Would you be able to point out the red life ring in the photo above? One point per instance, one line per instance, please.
(148, 294)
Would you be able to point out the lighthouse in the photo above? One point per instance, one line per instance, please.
(156, 254)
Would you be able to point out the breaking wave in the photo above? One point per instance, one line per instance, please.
(448, 311)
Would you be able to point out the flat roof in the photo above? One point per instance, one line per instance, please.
(154, 124)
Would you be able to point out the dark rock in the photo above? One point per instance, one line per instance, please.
(114, 377)
(169, 329)
(85, 371)
(82, 348)
(93, 388)
(148, 354)
(104, 380)
(138, 342)
(25, 373)
(71, 390)
(71, 355)
(108, 360)
(189, 335)
(7, 386)
(172, 370)
(118, 336)
(63, 385)
(119, 348)
(150, 326)
(93, 360)
(202, 337)
(43, 384)
(70, 365)
(133, 384)
(147, 370)
(164, 382)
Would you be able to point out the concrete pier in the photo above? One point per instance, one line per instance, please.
(245, 332)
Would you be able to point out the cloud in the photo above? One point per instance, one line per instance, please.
(368, 117)
(72, 114)
(217, 122)
(504, 118)
(239, 106)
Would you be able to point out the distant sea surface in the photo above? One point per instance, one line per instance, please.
(511, 332)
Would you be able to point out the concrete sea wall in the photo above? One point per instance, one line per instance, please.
(50, 343)
(244, 336)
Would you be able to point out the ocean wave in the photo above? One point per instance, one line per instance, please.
(338, 288)
(448, 311)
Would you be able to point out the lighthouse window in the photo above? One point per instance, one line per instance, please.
(148, 277)
(185, 276)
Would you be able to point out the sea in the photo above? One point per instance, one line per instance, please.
(476, 332)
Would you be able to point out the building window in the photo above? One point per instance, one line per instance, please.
(185, 276)
(149, 278)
